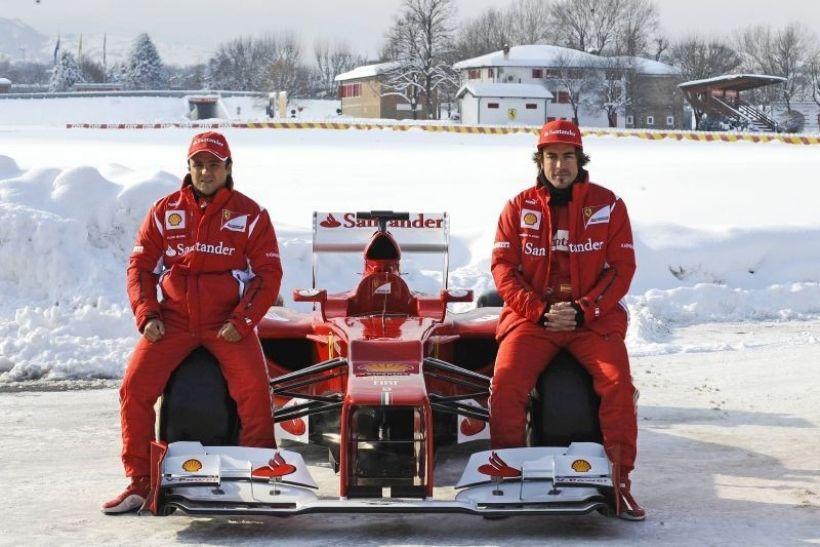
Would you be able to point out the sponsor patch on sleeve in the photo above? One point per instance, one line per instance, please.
(501, 245)
(138, 249)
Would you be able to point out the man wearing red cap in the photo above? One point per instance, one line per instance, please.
(563, 260)
(214, 255)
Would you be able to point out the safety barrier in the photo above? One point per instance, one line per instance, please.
(703, 136)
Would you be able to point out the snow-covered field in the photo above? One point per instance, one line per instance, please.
(725, 329)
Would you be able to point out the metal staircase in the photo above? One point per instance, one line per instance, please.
(745, 113)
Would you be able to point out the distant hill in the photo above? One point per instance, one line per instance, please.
(17, 37)
(19, 41)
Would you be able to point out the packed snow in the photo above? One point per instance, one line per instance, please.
(719, 235)
(126, 109)
(725, 319)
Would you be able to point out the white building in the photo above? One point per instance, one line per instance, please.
(501, 104)
(573, 76)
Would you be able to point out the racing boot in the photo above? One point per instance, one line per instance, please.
(131, 499)
(628, 507)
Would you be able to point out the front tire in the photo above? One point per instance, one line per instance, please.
(564, 407)
(196, 405)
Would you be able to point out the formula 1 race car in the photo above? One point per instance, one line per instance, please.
(384, 377)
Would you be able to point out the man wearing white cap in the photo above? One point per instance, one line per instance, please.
(563, 260)
(213, 252)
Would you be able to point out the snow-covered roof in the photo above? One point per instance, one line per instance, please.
(649, 66)
(760, 79)
(556, 56)
(528, 91)
(5, 81)
(533, 55)
(367, 71)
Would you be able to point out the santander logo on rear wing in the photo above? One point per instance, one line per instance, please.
(345, 232)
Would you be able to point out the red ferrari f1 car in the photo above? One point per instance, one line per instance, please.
(384, 377)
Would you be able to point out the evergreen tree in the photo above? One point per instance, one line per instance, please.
(143, 68)
(65, 73)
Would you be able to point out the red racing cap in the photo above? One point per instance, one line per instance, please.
(211, 142)
(560, 132)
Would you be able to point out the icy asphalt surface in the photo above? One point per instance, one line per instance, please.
(728, 455)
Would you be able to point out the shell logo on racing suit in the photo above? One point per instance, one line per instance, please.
(530, 219)
(174, 219)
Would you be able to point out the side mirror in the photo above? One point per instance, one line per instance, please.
(310, 295)
(456, 295)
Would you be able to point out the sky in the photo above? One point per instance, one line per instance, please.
(203, 24)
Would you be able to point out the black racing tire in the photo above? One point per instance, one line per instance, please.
(564, 407)
(196, 405)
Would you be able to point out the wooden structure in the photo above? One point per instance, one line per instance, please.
(721, 96)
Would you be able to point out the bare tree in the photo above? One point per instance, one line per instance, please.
(488, 32)
(581, 83)
(530, 22)
(699, 58)
(285, 71)
(623, 27)
(612, 96)
(330, 62)
(636, 26)
(240, 64)
(419, 41)
(785, 52)
(814, 76)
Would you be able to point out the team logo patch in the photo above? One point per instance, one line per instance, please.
(192, 466)
(597, 214)
(174, 219)
(234, 221)
(530, 219)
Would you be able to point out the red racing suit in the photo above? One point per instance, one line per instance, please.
(215, 260)
(601, 266)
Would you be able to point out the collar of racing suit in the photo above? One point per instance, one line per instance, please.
(187, 181)
(560, 196)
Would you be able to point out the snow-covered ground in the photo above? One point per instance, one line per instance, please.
(727, 456)
(146, 110)
(724, 334)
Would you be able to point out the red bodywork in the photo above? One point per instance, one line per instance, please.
(382, 352)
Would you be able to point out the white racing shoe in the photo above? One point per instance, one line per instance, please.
(131, 499)
(629, 508)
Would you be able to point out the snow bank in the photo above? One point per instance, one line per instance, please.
(713, 243)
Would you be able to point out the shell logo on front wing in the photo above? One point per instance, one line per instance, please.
(192, 466)
(581, 466)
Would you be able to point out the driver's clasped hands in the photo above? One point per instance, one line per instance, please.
(155, 330)
(560, 317)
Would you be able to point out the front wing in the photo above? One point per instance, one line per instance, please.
(256, 481)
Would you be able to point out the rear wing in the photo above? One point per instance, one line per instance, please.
(344, 232)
